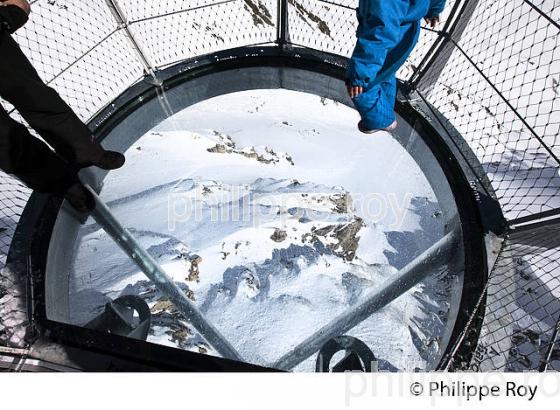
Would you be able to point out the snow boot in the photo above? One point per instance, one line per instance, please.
(390, 128)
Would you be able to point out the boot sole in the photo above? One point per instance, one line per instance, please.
(390, 128)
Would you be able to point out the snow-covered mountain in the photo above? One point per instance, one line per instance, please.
(274, 215)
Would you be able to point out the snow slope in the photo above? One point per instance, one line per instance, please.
(275, 215)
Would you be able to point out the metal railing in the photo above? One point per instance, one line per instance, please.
(491, 70)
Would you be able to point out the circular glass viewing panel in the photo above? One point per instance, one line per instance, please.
(275, 215)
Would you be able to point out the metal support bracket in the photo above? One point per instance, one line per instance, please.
(157, 275)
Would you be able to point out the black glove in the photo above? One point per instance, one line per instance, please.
(12, 18)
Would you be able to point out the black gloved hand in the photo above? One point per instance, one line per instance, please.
(12, 17)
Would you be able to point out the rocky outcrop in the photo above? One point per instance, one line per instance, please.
(266, 155)
(279, 235)
(343, 239)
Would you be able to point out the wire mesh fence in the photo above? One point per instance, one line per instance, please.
(500, 90)
(198, 29)
(13, 315)
(492, 69)
(520, 306)
(13, 197)
(78, 48)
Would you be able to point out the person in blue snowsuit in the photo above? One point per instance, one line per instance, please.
(388, 31)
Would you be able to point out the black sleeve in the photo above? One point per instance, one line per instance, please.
(12, 18)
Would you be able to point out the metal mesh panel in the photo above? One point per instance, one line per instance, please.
(13, 309)
(321, 25)
(60, 32)
(169, 39)
(13, 197)
(99, 76)
(77, 48)
(521, 308)
(500, 90)
(142, 10)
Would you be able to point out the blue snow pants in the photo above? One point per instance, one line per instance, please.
(388, 31)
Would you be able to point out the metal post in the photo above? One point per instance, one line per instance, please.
(156, 274)
(435, 256)
(282, 23)
(149, 69)
(122, 23)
